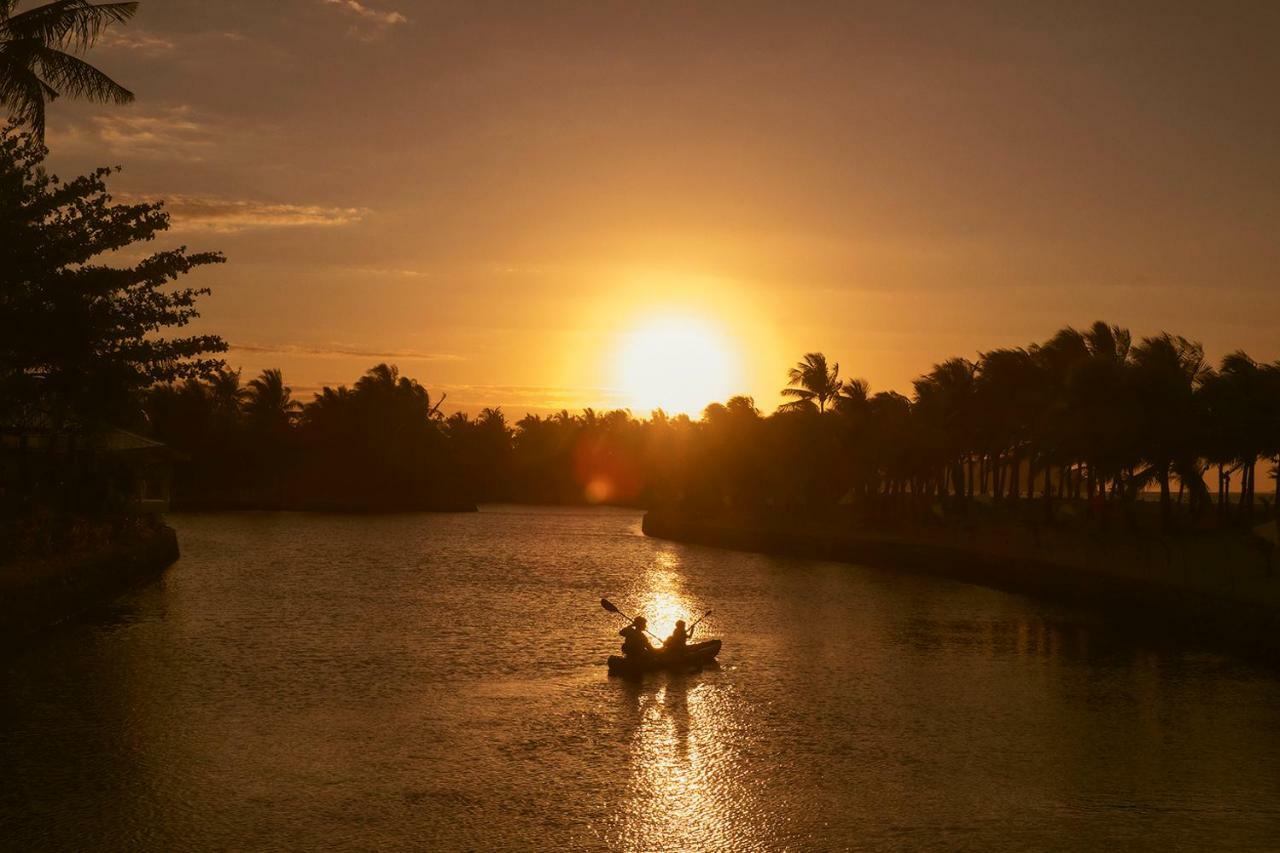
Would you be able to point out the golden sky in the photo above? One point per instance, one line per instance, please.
(495, 195)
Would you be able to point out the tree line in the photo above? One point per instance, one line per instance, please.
(1087, 416)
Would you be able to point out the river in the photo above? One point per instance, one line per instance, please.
(436, 682)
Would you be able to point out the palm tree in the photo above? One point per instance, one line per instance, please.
(270, 401)
(1006, 400)
(37, 61)
(1104, 419)
(811, 383)
(944, 405)
(891, 440)
(854, 396)
(226, 394)
(1167, 370)
(1241, 410)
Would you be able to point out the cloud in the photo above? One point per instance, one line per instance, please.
(387, 271)
(372, 23)
(176, 133)
(135, 40)
(332, 350)
(148, 43)
(539, 398)
(227, 215)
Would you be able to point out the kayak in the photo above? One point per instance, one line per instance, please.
(693, 656)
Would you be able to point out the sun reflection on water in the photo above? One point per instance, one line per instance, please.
(685, 787)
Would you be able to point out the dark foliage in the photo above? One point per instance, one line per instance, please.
(80, 338)
(1086, 417)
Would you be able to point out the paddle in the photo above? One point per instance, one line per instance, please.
(613, 608)
(689, 631)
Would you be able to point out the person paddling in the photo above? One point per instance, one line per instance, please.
(678, 640)
(635, 642)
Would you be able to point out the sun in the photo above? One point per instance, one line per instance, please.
(676, 363)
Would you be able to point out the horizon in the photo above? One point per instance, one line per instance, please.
(494, 197)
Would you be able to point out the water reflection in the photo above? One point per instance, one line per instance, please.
(685, 788)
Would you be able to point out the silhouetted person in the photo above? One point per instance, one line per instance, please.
(635, 643)
(678, 640)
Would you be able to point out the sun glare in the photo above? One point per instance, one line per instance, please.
(675, 363)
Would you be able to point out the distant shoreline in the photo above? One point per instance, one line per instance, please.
(1220, 589)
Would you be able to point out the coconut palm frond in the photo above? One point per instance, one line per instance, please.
(74, 24)
(73, 76)
(34, 65)
(23, 92)
(801, 393)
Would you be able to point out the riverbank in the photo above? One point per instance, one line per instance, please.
(37, 591)
(1222, 588)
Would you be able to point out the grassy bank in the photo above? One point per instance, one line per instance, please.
(1222, 587)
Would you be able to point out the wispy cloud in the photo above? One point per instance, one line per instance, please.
(176, 133)
(228, 215)
(387, 271)
(136, 40)
(542, 398)
(371, 23)
(150, 43)
(331, 350)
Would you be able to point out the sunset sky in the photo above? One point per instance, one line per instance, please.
(503, 197)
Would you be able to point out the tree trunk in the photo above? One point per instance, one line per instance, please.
(1093, 483)
(24, 468)
(1048, 490)
(1226, 506)
(1166, 509)
(1246, 490)
(1222, 494)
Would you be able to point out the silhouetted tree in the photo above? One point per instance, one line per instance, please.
(1242, 410)
(79, 339)
(945, 406)
(270, 405)
(1167, 370)
(1006, 402)
(812, 383)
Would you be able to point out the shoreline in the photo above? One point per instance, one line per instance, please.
(39, 593)
(1220, 590)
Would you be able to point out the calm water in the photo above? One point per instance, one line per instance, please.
(437, 682)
